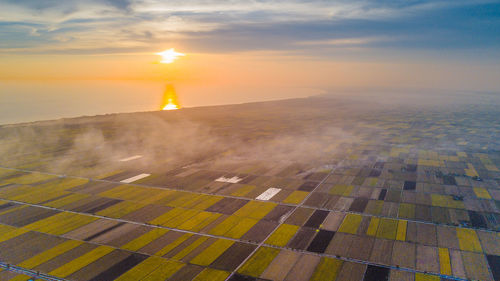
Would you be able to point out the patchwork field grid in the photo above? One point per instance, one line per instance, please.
(388, 195)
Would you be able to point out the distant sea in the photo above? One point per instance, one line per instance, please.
(33, 100)
(26, 101)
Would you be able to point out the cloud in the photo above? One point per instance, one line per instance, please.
(120, 4)
(339, 42)
(42, 5)
(35, 5)
(222, 26)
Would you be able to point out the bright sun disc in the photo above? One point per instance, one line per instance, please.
(168, 56)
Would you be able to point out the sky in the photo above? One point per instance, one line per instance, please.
(238, 48)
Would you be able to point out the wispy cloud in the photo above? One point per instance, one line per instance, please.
(342, 42)
(53, 26)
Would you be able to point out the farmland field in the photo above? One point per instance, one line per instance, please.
(305, 189)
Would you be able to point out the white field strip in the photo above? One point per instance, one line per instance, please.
(230, 180)
(131, 158)
(268, 194)
(135, 178)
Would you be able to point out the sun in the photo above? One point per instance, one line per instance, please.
(168, 56)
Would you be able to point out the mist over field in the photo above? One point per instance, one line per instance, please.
(296, 130)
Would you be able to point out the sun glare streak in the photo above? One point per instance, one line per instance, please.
(169, 56)
(170, 101)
